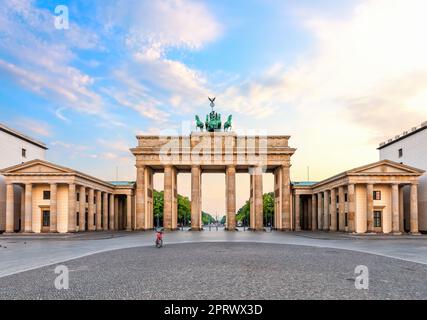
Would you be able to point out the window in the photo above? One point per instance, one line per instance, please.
(377, 219)
(400, 153)
(346, 219)
(345, 197)
(377, 195)
(78, 196)
(77, 219)
(24, 153)
(46, 195)
(87, 198)
(46, 218)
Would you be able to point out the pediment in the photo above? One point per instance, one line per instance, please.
(36, 166)
(384, 167)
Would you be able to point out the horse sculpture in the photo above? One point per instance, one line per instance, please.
(213, 120)
(199, 124)
(227, 124)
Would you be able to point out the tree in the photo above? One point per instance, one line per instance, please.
(268, 207)
(243, 214)
(158, 205)
(184, 209)
(207, 218)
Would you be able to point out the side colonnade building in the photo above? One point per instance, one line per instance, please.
(59, 199)
(367, 199)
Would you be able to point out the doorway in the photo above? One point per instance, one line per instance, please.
(45, 224)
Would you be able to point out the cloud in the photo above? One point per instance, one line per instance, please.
(36, 127)
(152, 27)
(150, 82)
(364, 79)
(40, 58)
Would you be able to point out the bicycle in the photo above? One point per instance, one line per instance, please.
(159, 237)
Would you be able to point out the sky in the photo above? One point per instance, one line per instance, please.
(339, 76)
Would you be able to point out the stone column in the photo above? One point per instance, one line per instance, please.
(414, 209)
(98, 210)
(395, 208)
(309, 213)
(90, 215)
(401, 210)
(119, 213)
(105, 211)
(351, 208)
(370, 206)
(196, 210)
(10, 210)
(53, 208)
(129, 212)
(297, 212)
(333, 210)
(111, 213)
(256, 176)
(28, 208)
(326, 210)
(319, 211)
(286, 198)
(82, 209)
(168, 194)
(71, 207)
(116, 212)
(341, 209)
(230, 197)
(313, 212)
(174, 221)
(140, 197)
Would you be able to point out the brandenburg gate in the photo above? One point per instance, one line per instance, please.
(212, 151)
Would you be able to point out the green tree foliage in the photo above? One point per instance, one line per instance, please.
(158, 206)
(243, 213)
(207, 218)
(184, 209)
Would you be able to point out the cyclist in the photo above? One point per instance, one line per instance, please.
(159, 237)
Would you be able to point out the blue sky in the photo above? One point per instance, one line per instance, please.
(328, 72)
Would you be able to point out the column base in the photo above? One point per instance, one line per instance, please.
(196, 229)
(397, 233)
(230, 229)
(415, 233)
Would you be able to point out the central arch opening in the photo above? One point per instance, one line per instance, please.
(213, 201)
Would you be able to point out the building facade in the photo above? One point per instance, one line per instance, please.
(59, 199)
(15, 148)
(368, 199)
(410, 148)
